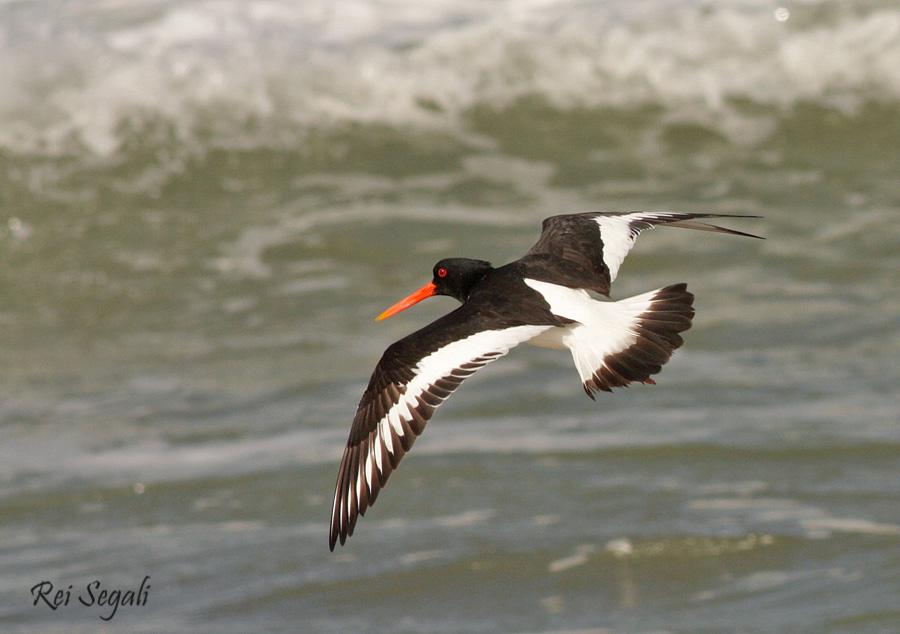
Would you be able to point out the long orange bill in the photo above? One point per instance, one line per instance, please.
(403, 304)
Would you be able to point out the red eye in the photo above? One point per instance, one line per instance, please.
(442, 272)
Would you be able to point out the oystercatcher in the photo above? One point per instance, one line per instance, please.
(542, 298)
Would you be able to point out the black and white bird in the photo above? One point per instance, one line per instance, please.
(542, 298)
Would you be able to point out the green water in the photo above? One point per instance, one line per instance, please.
(188, 325)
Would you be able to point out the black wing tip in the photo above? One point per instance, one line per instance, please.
(684, 220)
(336, 536)
(688, 223)
(341, 531)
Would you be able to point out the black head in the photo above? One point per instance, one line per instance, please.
(454, 277)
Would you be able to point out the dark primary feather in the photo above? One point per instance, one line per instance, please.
(573, 244)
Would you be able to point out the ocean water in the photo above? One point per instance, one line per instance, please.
(204, 204)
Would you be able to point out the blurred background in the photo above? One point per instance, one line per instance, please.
(204, 204)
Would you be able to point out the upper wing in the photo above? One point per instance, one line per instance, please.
(413, 377)
(590, 247)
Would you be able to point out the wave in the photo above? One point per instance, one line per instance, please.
(87, 76)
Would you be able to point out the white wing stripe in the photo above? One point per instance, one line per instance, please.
(619, 233)
(359, 483)
(481, 348)
(378, 451)
(617, 241)
(393, 416)
(384, 431)
(370, 463)
(442, 362)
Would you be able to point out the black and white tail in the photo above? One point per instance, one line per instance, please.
(616, 343)
(657, 319)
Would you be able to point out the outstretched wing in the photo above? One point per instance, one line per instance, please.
(588, 249)
(413, 377)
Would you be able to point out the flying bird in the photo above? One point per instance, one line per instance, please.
(542, 298)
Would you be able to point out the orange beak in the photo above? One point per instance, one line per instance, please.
(403, 304)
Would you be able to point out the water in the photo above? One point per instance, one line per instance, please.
(203, 205)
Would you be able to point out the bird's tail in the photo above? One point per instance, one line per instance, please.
(644, 335)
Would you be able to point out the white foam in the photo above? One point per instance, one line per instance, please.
(580, 557)
(72, 76)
